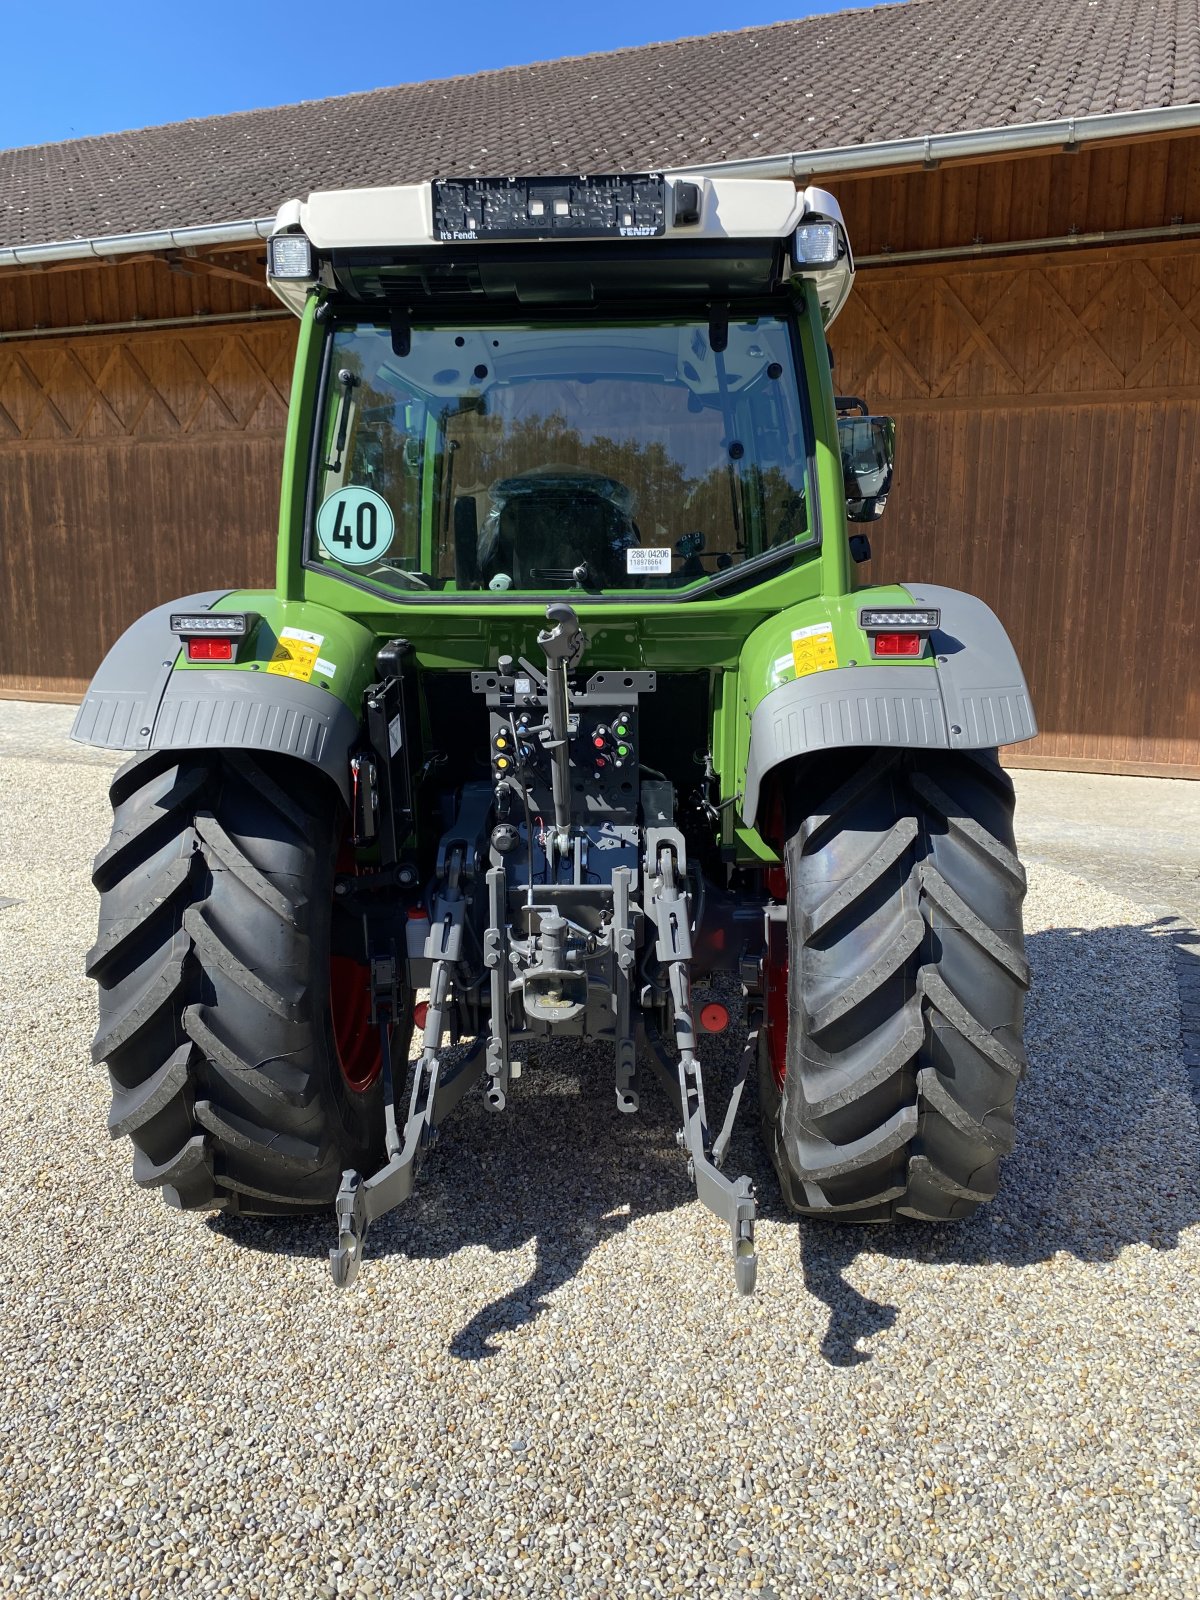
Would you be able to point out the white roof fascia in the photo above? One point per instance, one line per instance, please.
(930, 148)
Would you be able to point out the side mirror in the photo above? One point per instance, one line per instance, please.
(868, 447)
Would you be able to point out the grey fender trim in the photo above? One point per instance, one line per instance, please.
(123, 698)
(258, 711)
(209, 710)
(974, 698)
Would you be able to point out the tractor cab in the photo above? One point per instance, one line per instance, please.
(596, 386)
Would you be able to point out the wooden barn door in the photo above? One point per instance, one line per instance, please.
(133, 468)
(1048, 459)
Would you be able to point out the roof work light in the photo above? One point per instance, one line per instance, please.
(816, 244)
(289, 255)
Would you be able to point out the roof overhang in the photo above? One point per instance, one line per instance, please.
(931, 149)
(922, 150)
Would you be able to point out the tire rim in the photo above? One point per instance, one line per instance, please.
(355, 1040)
(775, 983)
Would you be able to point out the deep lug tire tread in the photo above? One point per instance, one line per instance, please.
(907, 977)
(212, 966)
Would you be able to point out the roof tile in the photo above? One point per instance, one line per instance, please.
(892, 71)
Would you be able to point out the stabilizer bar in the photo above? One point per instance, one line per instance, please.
(668, 908)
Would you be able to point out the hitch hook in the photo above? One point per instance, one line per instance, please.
(351, 1213)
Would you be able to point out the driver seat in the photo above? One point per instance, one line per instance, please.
(545, 534)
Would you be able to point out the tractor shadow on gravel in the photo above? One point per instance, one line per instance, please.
(560, 1168)
(1108, 1148)
(1106, 1157)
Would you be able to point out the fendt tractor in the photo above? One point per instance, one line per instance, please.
(567, 716)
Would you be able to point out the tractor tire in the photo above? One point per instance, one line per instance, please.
(892, 1095)
(217, 1010)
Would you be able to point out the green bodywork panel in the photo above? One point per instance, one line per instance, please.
(743, 641)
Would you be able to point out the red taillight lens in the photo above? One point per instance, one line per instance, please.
(714, 1017)
(420, 1015)
(897, 644)
(209, 649)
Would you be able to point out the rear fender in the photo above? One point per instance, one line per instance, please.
(971, 696)
(306, 705)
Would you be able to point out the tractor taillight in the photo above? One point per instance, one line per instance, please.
(896, 644)
(213, 635)
(209, 649)
(714, 1017)
(899, 630)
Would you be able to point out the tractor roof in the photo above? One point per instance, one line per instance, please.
(660, 232)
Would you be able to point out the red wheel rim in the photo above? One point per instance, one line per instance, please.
(356, 1041)
(775, 983)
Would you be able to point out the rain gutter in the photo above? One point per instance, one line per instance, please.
(931, 149)
(124, 244)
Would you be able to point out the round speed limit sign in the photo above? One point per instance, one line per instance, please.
(355, 526)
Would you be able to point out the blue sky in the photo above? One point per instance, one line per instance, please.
(83, 68)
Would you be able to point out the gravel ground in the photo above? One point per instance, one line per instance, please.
(543, 1383)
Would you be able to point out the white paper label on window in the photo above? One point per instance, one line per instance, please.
(642, 559)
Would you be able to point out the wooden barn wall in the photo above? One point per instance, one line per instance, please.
(1048, 407)
(66, 294)
(1097, 187)
(134, 468)
(1048, 429)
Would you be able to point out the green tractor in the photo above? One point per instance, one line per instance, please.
(566, 712)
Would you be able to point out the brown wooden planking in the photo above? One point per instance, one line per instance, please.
(97, 534)
(1065, 504)
(1015, 756)
(120, 290)
(133, 468)
(1104, 187)
(1044, 348)
(66, 691)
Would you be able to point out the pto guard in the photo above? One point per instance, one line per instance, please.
(143, 698)
(972, 697)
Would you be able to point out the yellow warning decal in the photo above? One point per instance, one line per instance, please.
(295, 654)
(813, 649)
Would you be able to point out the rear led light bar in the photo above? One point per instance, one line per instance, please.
(233, 624)
(911, 619)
